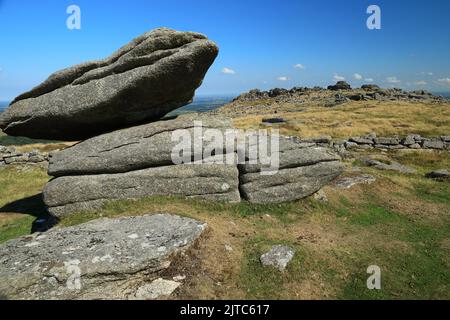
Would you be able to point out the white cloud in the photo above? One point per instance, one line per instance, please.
(357, 76)
(420, 83)
(445, 81)
(283, 78)
(228, 71)
(392, 80)
(338, 78)
(368, 80)
(299, 66)
(430, 73)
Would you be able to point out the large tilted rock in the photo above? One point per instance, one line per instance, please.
(102, 259)
(141, 82)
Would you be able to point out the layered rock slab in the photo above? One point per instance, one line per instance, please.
(134, 148)
(302, 171)
(102, 259)
(141, 82)
(138, 162)
(69, 194)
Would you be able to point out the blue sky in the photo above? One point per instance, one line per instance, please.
(260, 41)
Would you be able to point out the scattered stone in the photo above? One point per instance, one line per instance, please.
(228, 248)
(9, 156)
(348, 182)
(152, 75)
(320, 139)
(95, 260)
(415, 146)
(433, 144)
(179, 278)
(387, 141)
(279, 256)
(439, 175)
(360, 140)
(158, 288)
(392, 166)
(273, 120)
(351, 145)
(321, 196)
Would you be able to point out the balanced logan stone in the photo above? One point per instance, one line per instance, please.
(152, 75)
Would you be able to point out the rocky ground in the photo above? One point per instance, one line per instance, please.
(114, 216)
(397, 220)
(283, 100)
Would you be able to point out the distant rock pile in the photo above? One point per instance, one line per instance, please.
(412, 141)
(334, 95)
(9, 156)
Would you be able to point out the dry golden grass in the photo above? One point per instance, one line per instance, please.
(359, 118)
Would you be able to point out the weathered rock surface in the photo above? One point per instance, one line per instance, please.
(349, 182)
(68, 194)
(135, 148)
(102, 259)
(141, 82)
(157, 289)
(391, 166)
(10, 156)
(279, 256)
(302, 171)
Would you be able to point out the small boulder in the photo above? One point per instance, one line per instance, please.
(279, 256)
(439, 174)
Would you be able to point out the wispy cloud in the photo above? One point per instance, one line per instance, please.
(283, 78)
(392, 80)
(357, 76)
(368, 80)
(420, 83)
(445, 81)
(338, 77)
(299, 66)
(228, 71)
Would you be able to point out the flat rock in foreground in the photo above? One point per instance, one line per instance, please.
(141, 82)
(102, 259)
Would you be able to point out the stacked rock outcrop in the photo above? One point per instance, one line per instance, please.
(117, 104)
(10, 156)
